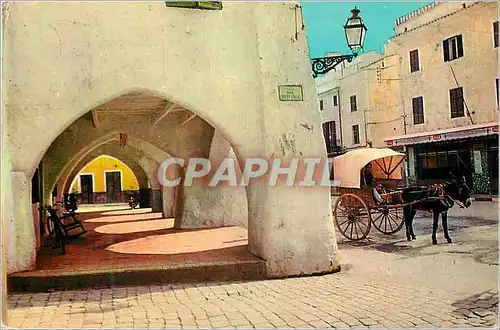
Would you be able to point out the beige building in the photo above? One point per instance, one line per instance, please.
(447, 56)
(143, 82)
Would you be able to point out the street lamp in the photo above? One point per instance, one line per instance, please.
(355, 31)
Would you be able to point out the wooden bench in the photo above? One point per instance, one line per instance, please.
(62, 227)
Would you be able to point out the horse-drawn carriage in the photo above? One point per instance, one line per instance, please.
(373, 191)
(362, 205)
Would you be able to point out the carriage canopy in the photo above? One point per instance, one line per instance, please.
(386, 164)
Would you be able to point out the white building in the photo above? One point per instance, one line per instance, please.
(345, 99)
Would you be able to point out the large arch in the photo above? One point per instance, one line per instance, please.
(233, 89)
(85, 133)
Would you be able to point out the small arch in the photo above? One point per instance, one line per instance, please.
(128, 179)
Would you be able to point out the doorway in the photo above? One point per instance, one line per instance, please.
(113, 186)
(87, 188)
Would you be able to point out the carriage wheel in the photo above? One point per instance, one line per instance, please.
(388, 221)
(352, 217)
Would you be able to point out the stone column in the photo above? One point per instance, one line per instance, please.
(290, 227)
(168, 202)
(284, 230)
(197, 202)
(157, 200)
(21, 237)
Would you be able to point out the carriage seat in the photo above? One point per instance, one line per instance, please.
(383, 197)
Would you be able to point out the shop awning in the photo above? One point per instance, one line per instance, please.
(443, 135)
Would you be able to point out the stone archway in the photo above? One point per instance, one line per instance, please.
(142, 152)
(140, 174)
(141, 165)
(232, 89)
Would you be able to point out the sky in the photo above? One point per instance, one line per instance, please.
(325, 21)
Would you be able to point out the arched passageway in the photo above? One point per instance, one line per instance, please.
(143, 167)
(232, 90)
(106, 179)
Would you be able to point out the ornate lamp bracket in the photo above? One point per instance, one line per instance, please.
(323, 65)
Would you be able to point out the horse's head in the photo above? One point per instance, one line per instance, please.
(457, 189)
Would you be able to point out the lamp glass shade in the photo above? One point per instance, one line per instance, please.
(355, 31)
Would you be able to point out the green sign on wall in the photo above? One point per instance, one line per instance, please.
(213, 5)
(290, 93)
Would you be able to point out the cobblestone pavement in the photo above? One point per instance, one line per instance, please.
(391, 284)
(342, 300)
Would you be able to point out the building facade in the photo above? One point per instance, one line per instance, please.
(447, 54)
(168, 93)
(358, 106)
(346, 102)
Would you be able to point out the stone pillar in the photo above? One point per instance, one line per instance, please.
(290, 227)
(168, 202)
(193, 206)
(157, 200)
(481, 183)
(21, 237)
(282, 231)
(208, 207)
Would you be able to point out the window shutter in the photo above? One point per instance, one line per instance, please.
(460, 49)
(334, 134)
(495, 34)
(446, 51)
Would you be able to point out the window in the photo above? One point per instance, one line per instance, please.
(335, 100)
(329, 131)
(418, 110)
(496, 85)
(435, 161)
(354, 106)
(457, 102)
(213, 5)
(321, 104)
(453, 48)
(355, 134)
(414, 65)
(495, 34)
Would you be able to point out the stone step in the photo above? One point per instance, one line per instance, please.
(193, 273)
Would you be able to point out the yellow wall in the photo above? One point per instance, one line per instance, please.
(98, 167)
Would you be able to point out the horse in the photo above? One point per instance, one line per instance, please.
(437, 199)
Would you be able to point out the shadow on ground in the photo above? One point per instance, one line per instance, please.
(481, 309)
(473, 237)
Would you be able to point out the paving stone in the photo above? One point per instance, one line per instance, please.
(338, 301)
(481, 312)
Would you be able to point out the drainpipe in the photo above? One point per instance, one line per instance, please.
(340, 118)
(367, 88)
(366, 131)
